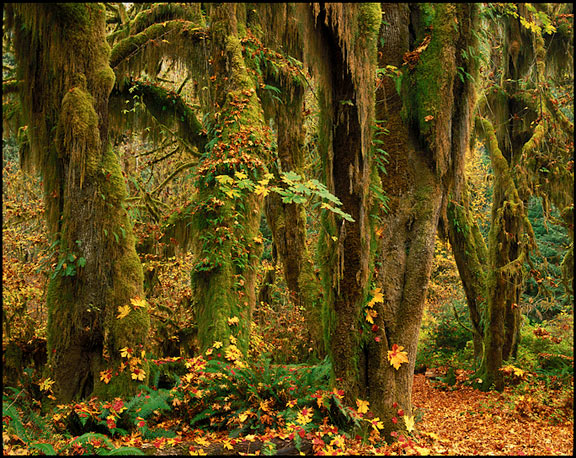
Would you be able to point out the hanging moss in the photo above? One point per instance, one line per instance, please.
(162, 12)
(135, 45)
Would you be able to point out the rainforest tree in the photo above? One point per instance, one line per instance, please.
(426, 111)
(66, 79)
(528, 138)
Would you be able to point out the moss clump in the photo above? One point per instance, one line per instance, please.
(77, 135)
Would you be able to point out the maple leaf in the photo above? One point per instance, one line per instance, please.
(338, 441)
(217, 344)
(261, 190)
(370, 315)
(125, 352)
(227, 444)
(233, 353)
(376, 423)
(264, 405)
(123, 311)
(203, 442)
(362, 405)
(377, 297)
(138, 374)
(304, 416)
(409, 422)
(396, 356)
(233, 321)
(111, 422)
(138, 303)
(46, 385)
(243, 417)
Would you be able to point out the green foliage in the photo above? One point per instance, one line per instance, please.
(544, 293)
(547, 348)
(248, 397)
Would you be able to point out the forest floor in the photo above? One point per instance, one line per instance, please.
(455, 420)
(465, 421)
(530, 420)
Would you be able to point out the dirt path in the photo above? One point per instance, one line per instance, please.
(470, 422)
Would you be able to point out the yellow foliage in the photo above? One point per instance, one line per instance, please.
(396, 356)
(123, 311)
(362, 405)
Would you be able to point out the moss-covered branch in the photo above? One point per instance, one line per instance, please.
(155, 35)
(166, 106)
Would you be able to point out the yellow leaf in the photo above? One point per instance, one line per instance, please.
(377, 297)
(232, 321)
(362, 405)
(233, 353)
(409, 422)
(125, 352)
(123, 311)
(370, 315)
(304, 416)
(138, 303)
(240, 175)
(227, 444)
(202, 441)
(264, 406)
(138, 374)
(105, 376)
(338, 441)
(261, 190)
(376, 423)
(396, 356)
(46, 385)
(217, 344)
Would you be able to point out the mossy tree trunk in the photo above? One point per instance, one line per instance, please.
(225, 226)
(508, 248)
(428, 124)
(62, 55)
(471, 256)
(340, 47)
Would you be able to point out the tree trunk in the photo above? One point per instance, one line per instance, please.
(287, 221)
(224, 225)
(63, 56)
(507, 254)
(340, 46)
(471, 257)
(428, 129)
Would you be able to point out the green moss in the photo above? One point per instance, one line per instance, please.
(104, 80)
(430, 80)
(369, 20)
(74, 14)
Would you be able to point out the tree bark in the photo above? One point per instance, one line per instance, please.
(427, 117)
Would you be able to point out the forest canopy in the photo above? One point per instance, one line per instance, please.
(279, 221)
